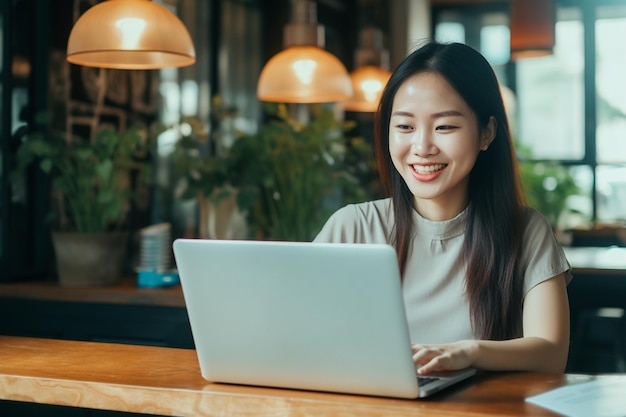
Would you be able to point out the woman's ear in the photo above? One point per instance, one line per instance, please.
(488, 133)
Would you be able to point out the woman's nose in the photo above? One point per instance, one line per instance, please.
(422, 144)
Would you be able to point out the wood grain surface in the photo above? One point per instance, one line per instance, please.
(167, 381)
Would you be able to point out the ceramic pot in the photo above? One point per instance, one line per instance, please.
(222, 220)
(89, 259)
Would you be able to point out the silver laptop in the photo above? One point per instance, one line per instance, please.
(311, 316)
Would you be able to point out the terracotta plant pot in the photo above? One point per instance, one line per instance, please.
(89, 259)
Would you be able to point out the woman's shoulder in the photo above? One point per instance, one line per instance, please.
(542, 255)
(535, 221)
(538, 235)
(380, 207)
(359, 222)
(365, 210)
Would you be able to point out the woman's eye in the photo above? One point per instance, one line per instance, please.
(445, 127)
(404, 127)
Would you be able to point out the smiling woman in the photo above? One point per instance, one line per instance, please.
(484, 279)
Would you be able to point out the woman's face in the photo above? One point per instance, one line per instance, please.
(434, 140)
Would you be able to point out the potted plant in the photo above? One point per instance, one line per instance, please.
(200, 171)
(91, 195)
(547, 186)
(300, 171)
(287, 177)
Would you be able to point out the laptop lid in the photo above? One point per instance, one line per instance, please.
(314, 316)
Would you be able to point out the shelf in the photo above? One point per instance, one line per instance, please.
(126, 292)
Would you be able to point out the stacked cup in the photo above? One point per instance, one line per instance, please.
(155, 247)
(155, 257)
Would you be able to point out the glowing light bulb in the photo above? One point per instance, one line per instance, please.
(371, 89)
(132, 28)
(304, 69)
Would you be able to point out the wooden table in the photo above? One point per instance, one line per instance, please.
(167, 381)
(597, 260)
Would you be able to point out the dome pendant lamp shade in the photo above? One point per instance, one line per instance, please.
(371, 73)
(368, 83)
(532, 28)
(130, 34)
(304, 72)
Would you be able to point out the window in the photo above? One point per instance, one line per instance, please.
(610, 33)
(570, 107)
(550, 95)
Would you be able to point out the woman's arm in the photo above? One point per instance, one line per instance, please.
(543, 348)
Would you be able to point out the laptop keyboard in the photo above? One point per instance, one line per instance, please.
(425, 380)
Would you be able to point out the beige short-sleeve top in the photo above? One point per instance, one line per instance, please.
(433, 281)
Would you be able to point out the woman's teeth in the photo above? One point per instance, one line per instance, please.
(427, 169)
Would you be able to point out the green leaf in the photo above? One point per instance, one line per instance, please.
(46, 165)
(104, 169)
(83, 153)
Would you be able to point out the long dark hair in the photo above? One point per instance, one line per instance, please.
(494, 232)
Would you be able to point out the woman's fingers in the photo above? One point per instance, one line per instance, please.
(429, 358)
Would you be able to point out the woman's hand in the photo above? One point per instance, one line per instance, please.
(445, 357)
(543, 347)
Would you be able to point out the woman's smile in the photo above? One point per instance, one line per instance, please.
(428, 172)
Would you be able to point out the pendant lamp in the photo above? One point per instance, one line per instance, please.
(532, 28)
(130, 34)
(304, 72)
(371, 73)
